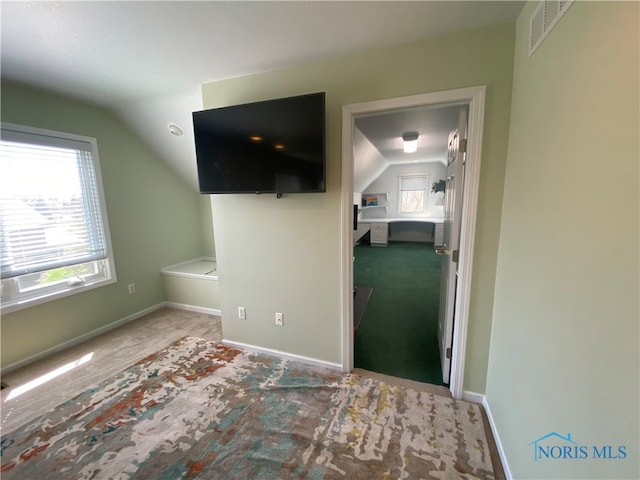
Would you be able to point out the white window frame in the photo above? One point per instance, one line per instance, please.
(16, 291)
(425, 203)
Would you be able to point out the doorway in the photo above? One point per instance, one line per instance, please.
(473, 98)
(397, 333)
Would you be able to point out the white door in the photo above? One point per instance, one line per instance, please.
(451, 241)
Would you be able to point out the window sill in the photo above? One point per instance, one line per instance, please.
(20, 304)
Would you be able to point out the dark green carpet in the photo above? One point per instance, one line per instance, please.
(398, 334)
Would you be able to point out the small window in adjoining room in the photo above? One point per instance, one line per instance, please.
(54, 234)
(413, 194)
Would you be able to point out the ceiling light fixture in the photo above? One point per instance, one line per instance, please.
(175, 129)
(410, 141)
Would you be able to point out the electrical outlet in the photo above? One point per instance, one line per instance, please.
(132, 288)
(279, 319)
(242, 313)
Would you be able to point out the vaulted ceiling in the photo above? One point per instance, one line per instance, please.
(378, 143)
(146, 61)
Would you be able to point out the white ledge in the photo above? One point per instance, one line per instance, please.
(401, 219)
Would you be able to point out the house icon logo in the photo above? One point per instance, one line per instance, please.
(555, 446)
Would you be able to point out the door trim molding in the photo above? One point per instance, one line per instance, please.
(474, 97)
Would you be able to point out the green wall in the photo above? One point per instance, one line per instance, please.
(284, 254)
(564, 343)
(206, 222)
(154, 219)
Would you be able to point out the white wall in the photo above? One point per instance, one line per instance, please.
(367, 161)
(564, 341)
(389, 182)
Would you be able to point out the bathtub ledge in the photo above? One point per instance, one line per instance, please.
(205, 268)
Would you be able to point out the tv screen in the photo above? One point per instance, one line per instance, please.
(274, 146)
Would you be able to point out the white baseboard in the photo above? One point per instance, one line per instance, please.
(473, 397)
(496, 437)
(277, 353)
(193, 308)
(78, 340)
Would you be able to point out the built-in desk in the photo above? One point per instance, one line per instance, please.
(403, 229)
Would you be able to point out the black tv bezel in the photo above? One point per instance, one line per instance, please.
(278, 193)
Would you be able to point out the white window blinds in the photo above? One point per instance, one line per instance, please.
(413, 183)
(50, 213)
(413, 194)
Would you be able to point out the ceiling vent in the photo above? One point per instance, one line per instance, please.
(544, 18)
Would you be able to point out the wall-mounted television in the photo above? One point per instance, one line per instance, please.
(274, 146)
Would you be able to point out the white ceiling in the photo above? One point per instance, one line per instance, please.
(432, 124)
(146, 61)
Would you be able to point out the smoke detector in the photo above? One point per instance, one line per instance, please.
(175, 129)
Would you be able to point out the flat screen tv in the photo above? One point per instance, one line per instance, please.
(274, 146)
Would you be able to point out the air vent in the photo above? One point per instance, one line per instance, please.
(544, 18)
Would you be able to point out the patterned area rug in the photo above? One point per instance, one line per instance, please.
(201, 410)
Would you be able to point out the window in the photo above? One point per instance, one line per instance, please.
(54, 234)
(413, 194)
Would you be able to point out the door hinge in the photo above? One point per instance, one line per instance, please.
(448, 352)
(454, 256)
(462, 146)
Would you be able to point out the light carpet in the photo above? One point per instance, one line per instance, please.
(201, 410)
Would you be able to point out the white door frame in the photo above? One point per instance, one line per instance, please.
(474, 97)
